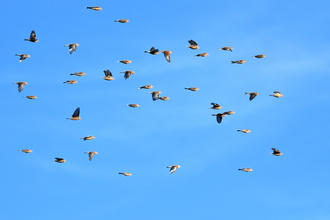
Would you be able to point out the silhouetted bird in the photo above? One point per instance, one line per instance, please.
(108, 75)
(252, 95)
(259, 56)
(59, 160)
(215, 106)
(20, 85)
(277, 94)
(91, 154)
(227, 48)
(22, 56)
(219, 116)
(276, 152)
(128, 74)
(122, 20)
(95, 8)
(174, 168)
(75, 115)
(72, 47)
(33, 37)
(193, 45)
(167, 55)
(153, 51)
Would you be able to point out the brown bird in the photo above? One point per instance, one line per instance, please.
(192, 88)
(108, 75)
(229, 112)
(125, 61)
(75, 115)
(155, 95)
(122, 20)
(246, 169)
(20, 85)
(95, 8)
(133, 105)
(227, 48)
(164, 98)
(71, 81)
(238, 61)
(91, 154)
(153, 51)
(276, 152)
(88, 138)
(26, 150)
(259, 56)
(219, 116)
(22, 56)
(30, 97)
(252, 95)
(174, 168)
(128, 74)
(72, 47)
(78, 74)
(126, 174)
(215, 106)
(277, 94)
(167, 55)
(245, 130)
(193, 45)
(59, 160)
(33, 37)
(146, 87)
(201, 55)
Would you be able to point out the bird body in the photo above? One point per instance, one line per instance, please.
(238, 61)
(245, 130)
(201, 55)
(252, 95)
(153, 51)
(59, 160)
(215, 106)
(26, 150)
(95, 8)
(72, 47)
(146, 87)
(22, 56)
(126, 174)
(192, 88)
(133, 105)
(122, 20)
(88, 138)
(125, 61)
(246, 169)
(155, 95)
(30, 97)
(91, 154)
(78, 74)
(193, 45)
(33, 37)
(277, 94)
(276, 152)
(71, 81)
(174, 168)
(20, 85)
(167, 55)
(227, 48)
(128, 74)
(108, 75)
(75, 115)
(229, 112)
(164, 98)
(259, 56)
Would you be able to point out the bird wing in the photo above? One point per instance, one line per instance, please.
(167, 57)
(153, 50)
(219, 118)
(20, 87)
(193, 43)
(173, 169)
(277, 92)
(76, 113)
(33, 35)
(127, 75)
(107, 73)
(91, 155)
(215, 104)
(155, 96)
(275, 150)
(252, 96)
(72, 48)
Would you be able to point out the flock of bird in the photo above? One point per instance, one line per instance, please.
(155, 94)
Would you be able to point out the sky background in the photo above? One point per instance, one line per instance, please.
(143, 141)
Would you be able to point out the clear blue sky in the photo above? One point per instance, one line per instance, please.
(143, 141)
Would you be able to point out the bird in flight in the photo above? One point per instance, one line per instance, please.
(215, 106)
(126, 174)
(133, 105)
(277, 94)
(153, 51)
(276, 152)
(78, 74)
(259, 56)
(33, 37)
(155, 95)
(75, 115)
(88, 138)
(174, 168)
(95, 8)
(219, 116)
(59, 160)
(227, 48)
(201, 55)
(164, 98)
(108, 75)
(122, 20)
(72, 47)
(91, 154)
(71, 81)
(20, 85)
(193, 45)
(26, 150)
(246, 169)
(192, 88)
(245, 130)
(22, 56)
(238, 61)
(128, 74)
(167, 55)
(125, 61)
(252, 95)
(30, 97)
(146, 87)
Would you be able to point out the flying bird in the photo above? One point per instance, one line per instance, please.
(276, 152)
(219, 116)
(22, 56)
(153, 51)
(252, 95)
(75, 115)
(277, 94)
(167, 54)
(238, 61)
(259, 56)
(133, 105)
(245, 130)
(71, 81)
(146, 87)
(59, 160)
(246, 169)
(125, 61)
(26, 150)
(229, 112)
(174, 168)
(78, 74)
(30, 97)
(227, 48)
(91, 154)
(193, 45)
(122, 20)
(20, 85)
(88, 138)
(108, 75)
(215, 106)
(201, 55)
(126, 174)
(128, 74)
(72, 47)
(155, 95)
(192, 88)
(164, 98)
(95, 8)
(33, 37)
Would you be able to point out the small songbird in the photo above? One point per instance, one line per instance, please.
(215, 106)
(30, 97)
(88, 138)
(276, 152)
(192, 88)
(219, 116)
(259, 56)
(167, 55)
(252, 95)
(155, 95)
(59, 160)
(153, 51)
(146, 87)
(238, 61)
(122, 20)
(227, 48)
(201, 55)
(22, 56)
(91, 154)
(126, 174)
(164, 98)
(125, 61)
(78, 74)
(95, 8)
(75, 115)
(133, 105)
(229, 112)
(246, 169)
(72, 47)
(245, 130)
(128, 74)
(71, 81)
(33, 37)
(277, 94)
(108, 75)
(193, 45)
(20, 85)
(26, 150)
(174, 168)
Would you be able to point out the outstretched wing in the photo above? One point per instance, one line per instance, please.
(72, 48)
(193, 43)
(76, 113)
(153, 50)
(21, 86)
(215, 104)
(219, 118)
(33, 35)
(155, 96)
(107, 73)
(252, 96)
(91, 155)
(127, 75)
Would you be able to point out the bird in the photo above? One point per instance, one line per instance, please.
(246, 169)
(30, 97)
(227, 48)
(59, 160)
(215, 106)
(88, 138)
(128, 74)
(201, 55)
(91, 154)
(78, 74)
(167, 54)
(75, 115)
(126, 174)
(22, 56)
(95, 8)
(26, 150)
(193, 45)
(71, 81)
(245, 130)
(259, 56)
(133, 105)
(20, 85)
(252, 95)
(229, 112)
(174, 168)
(192, 88)
(125, 61)
(122, 20)
(155, 95)
(276, 152)
(72, 47)
(164, 98)
(219, 116)
(238, 61)
(146, 87)
(33, 37)
(108, 75)
(277, 94)
(153, 51)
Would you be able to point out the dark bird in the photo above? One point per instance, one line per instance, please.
(91, 154)
(125, 61)
(95, 8)
(277, 94)
(201, 55)
(238, 61)
(155, 95)
(146, 87)
(259, 56)
(126, 174)
(167, 55)
(252, 95)
(215, 106)
(75, 115)
(26, 150)
(108, 75)
(72, 47)
(33, 37)
(219, 116)
(276, 152)
(193, 45)
(122, 20)
(59, 160)
(227, 48)
(22, 56)
(246, 169)
(174, 168)
(153, 51)
(20, 85)
(128, 74)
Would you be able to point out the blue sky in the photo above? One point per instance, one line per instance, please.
(182, 130)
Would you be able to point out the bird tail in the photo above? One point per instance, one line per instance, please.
(246, 93)
(232, 62)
